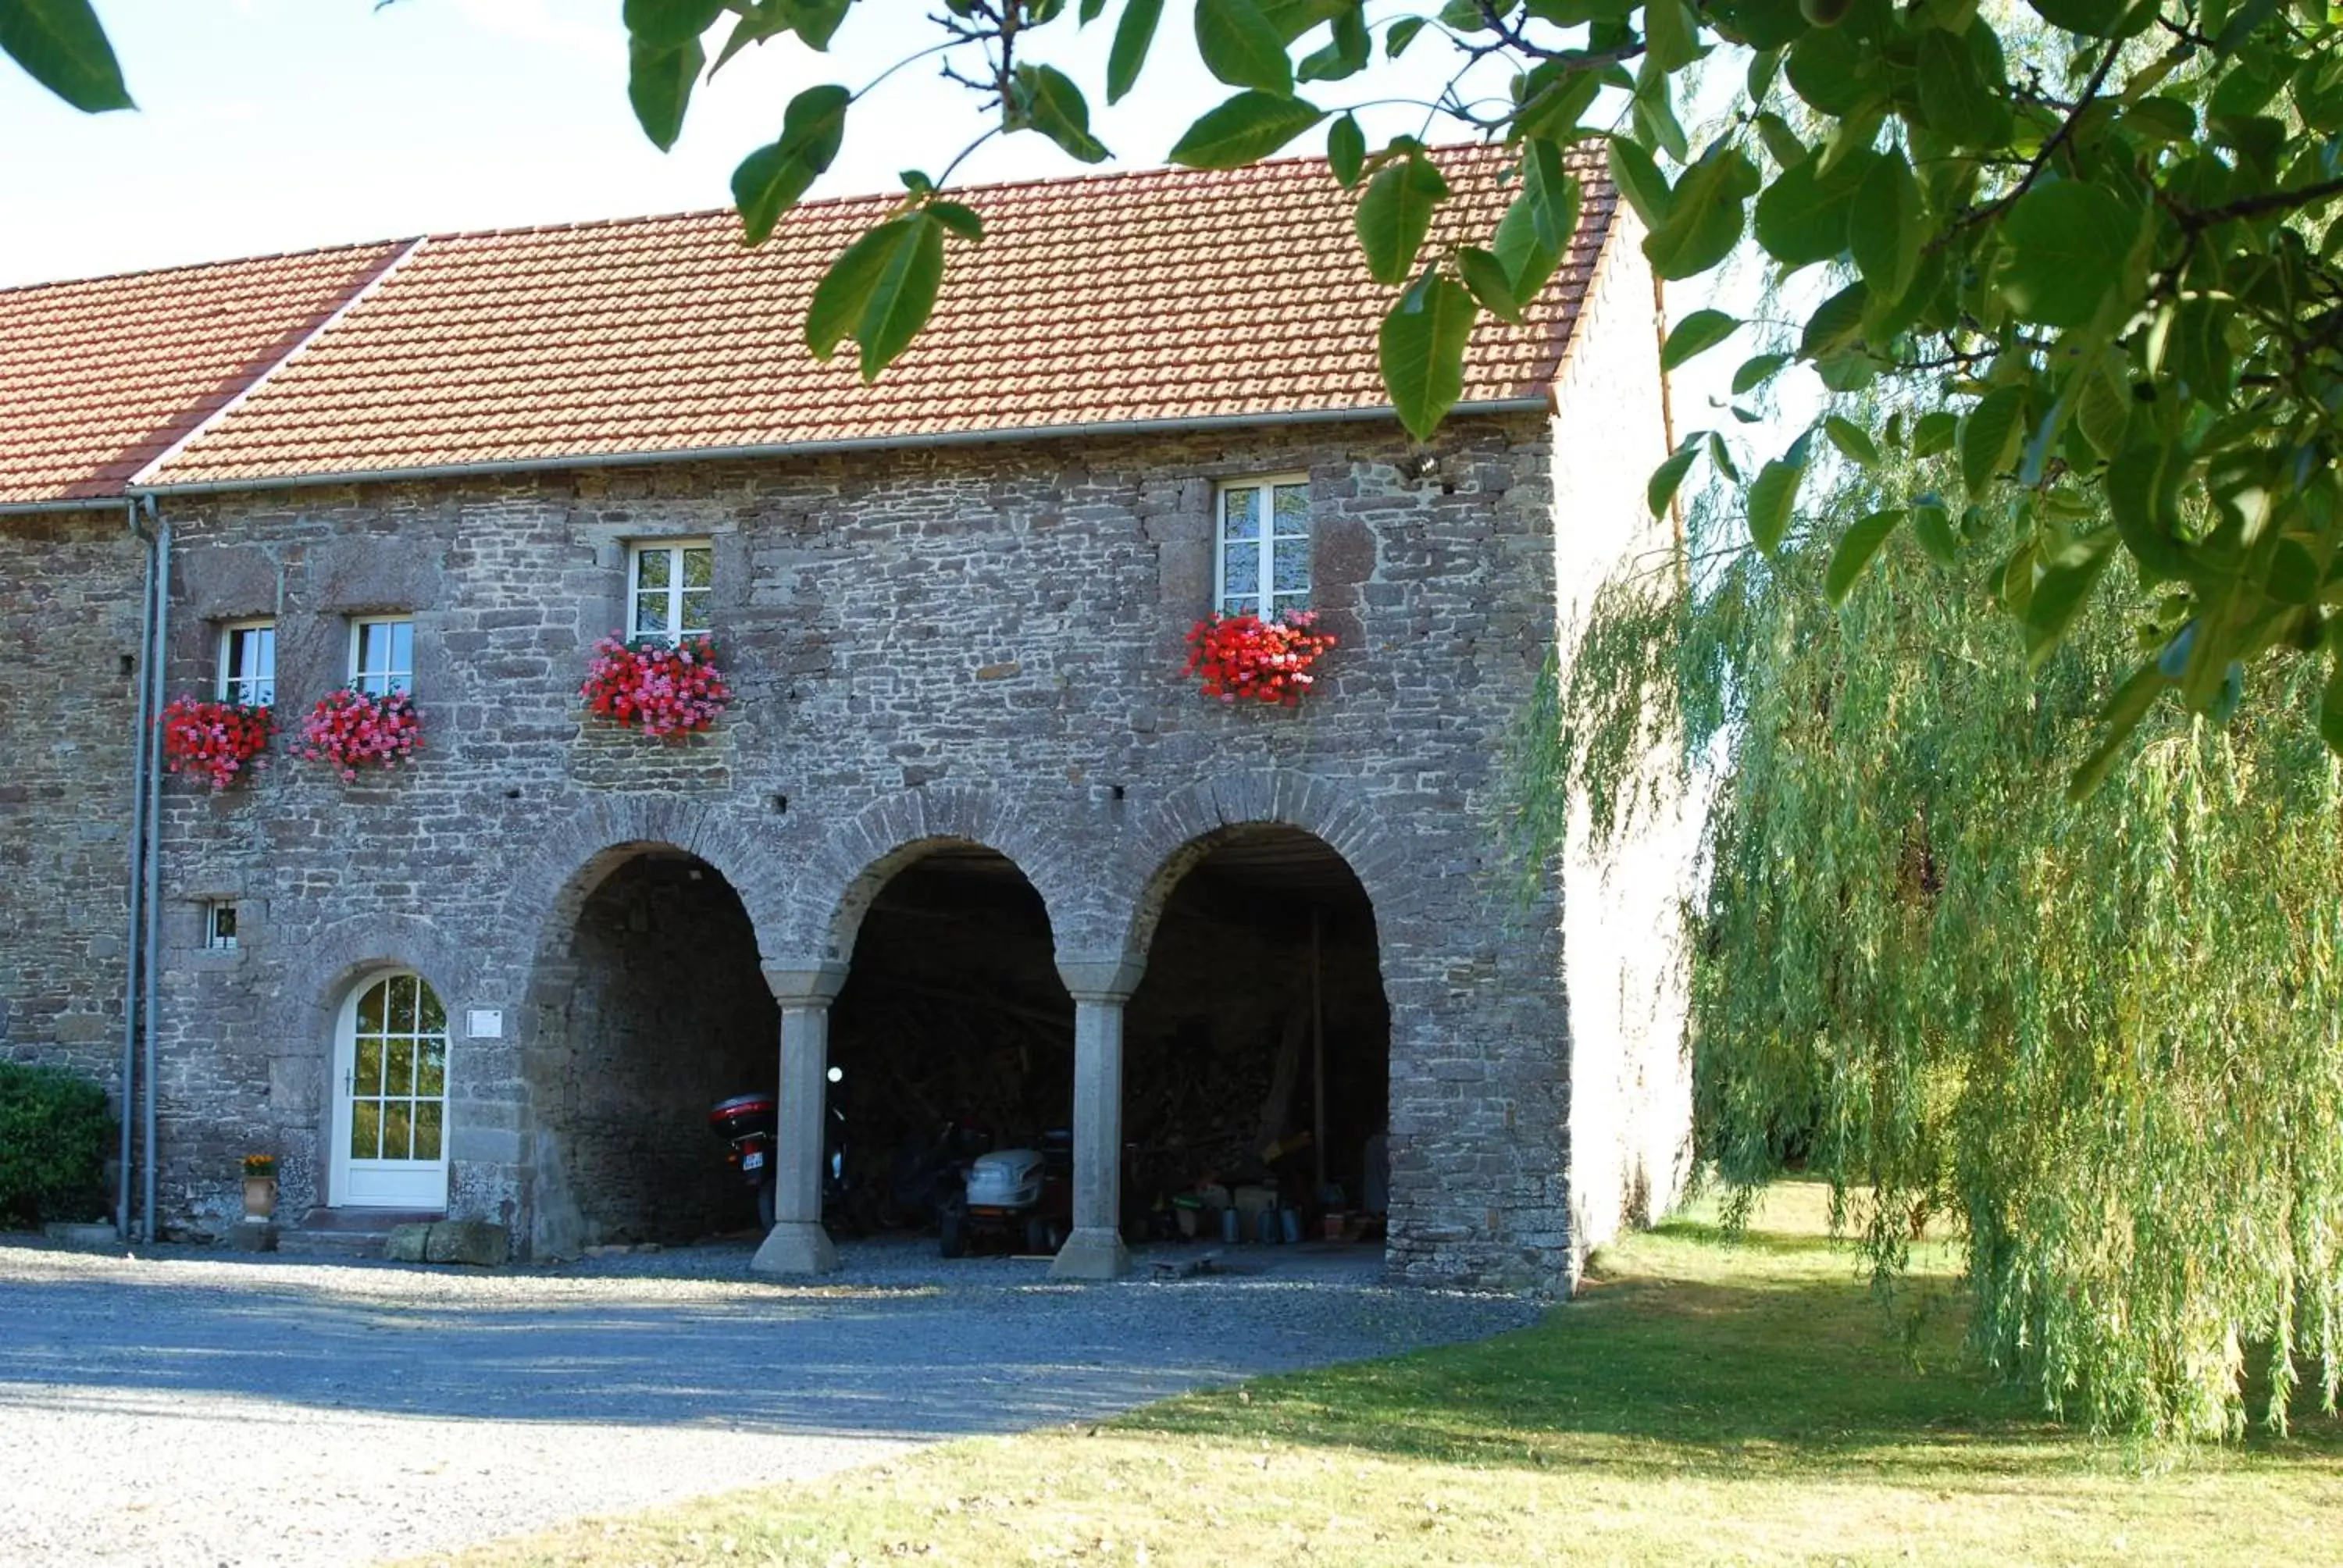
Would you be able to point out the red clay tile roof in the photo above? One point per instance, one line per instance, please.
(1158, 296)
(98, 378)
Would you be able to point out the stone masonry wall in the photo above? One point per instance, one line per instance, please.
(67, 694)
(981, 643)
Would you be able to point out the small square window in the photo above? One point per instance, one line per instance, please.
(669, 587)
(1263, 551)
(219, 924)
(382, 655)
(247, 663)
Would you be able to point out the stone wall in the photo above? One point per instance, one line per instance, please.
(67, 694)
(977, 644)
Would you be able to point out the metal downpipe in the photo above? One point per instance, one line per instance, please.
(142, 736)
(151, 957)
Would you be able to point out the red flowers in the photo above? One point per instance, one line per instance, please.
(1245, 656)
(667, 691)
(351, 729)
(213, 738)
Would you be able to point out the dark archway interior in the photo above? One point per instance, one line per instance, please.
(1263, 978)
(953, 1008)
(668, 1013)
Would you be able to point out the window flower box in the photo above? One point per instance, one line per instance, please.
(667, 690)
(349, 729)
(214, 739)
(1245, 658)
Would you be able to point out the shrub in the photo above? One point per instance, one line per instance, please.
(54, 1130)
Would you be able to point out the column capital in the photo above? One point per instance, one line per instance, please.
(805, 982)
(1107, 980)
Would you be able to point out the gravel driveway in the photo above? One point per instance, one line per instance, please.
(195, 1407)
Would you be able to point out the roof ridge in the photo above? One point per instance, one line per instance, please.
(390, 244)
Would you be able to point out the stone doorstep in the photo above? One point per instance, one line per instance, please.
(347, 1233)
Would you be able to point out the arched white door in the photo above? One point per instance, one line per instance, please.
(390, 1097)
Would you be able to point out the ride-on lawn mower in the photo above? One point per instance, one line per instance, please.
(1013, 1197)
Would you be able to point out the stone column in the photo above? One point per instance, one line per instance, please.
(798, 1244)
(1099, 988)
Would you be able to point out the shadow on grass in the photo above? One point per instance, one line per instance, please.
(1788, 1365)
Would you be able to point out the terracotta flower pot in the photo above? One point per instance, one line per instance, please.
(259, 1197)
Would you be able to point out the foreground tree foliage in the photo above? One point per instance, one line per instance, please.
(2105, 1044)
(2090, 241)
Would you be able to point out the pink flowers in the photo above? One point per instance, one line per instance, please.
(1244, 656)
(667, 691)
(351, 729)
(215, 740)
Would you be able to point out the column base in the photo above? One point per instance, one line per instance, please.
(1092, 1255)
(795, 1248)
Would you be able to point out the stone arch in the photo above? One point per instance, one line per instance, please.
(1189, 823)
(574, 854)
(846, 871)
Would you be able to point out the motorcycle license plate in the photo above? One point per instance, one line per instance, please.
(752, 1162)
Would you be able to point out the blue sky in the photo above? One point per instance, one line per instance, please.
(277, 124)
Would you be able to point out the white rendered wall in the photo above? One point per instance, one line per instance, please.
(1623, 974)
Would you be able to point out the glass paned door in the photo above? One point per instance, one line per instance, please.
(390, 1144)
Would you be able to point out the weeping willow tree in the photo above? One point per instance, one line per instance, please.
(2101, 1042)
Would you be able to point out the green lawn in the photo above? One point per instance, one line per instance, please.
(1701, 1401)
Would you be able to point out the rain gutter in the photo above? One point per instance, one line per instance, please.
(1539, 403)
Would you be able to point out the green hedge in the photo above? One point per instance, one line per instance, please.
(54, 1133)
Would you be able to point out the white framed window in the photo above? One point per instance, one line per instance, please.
(382, 655)
(669, 586)
(1263, 556)
(247, 663)
(219, 924)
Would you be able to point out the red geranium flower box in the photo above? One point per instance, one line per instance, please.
(349, 729)
(665, 690)
(215, 740)
(1245, 657)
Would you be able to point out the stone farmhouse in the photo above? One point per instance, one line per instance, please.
(967, 830)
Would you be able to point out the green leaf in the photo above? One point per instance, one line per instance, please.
(1553, 192)
(1243, 130)
(1697, 334)
(1528, 262)
(62, 45)
(1395, 215)
(1934, 433)
(1886, 226)
(1403, 33)
(1669, 477)
(1639, 179)
(844, 293)
(670, 23)
(2095, 18)
(1671, 39)
(1836, 323)
(1705, 216)
(1989, 437)
(1802, 218)
(1240, 47)
(1722, 457)
(1934, 529)
(2103, 410)
(775, 177)
(1774, 496)
(2118, 722)
(961, 220)
(1959, 104)
(1422, 351)
(1756, 372)
(1134, 31)
(1346, 151)
(1855, 549)
(2143, 487)
(1054, 106)
(2069, 243)
(1347, 54)
(1490, 282)
(2331, 710)
(2061, 592)
(904, 297)
(1852, 439)
(658, 85)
